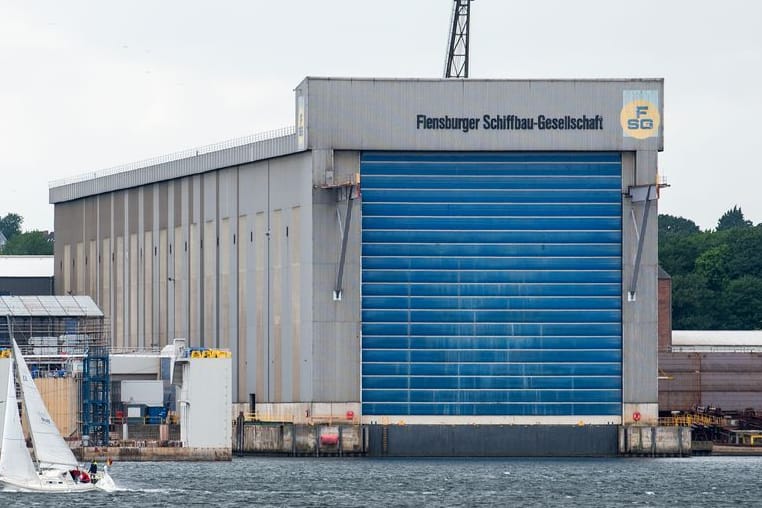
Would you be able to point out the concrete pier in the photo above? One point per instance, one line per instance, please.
(153, 454)
(652, 441)
(259, 438)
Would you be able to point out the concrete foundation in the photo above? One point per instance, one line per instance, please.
(492, 440)
(655, 441)
(256, 438)
(153, 454)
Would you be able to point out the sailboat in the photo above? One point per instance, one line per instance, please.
(51, 471)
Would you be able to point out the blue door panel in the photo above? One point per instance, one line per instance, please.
(504, 343)
(493, 223)
(487, 210)
(488, 196)
(507, 182)
(509, 409)
(501, 290)
(491, 283)
(489, 303)
(388, 158)
(488, 237)
(493, 329)
(403, 250)
(493, 276)
(491, 263)
(411, 169)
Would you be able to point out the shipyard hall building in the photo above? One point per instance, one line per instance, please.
(470, 262)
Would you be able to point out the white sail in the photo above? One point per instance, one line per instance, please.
(15, 462)
(51, 450)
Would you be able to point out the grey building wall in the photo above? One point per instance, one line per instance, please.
(223, 259)
(336, 323)
(639, 316)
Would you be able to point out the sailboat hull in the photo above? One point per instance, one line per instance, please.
(45, 484)
(54, 483)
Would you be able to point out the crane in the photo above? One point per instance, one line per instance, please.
(456, 65)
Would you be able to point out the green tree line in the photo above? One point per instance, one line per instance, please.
(716, 274)
(26, 243)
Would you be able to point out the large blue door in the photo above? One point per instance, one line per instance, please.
(491, 283)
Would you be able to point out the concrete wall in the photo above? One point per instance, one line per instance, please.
(153, 454)
(654, 441)
(288, 439)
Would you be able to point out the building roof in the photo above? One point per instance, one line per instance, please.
(193, 161)
(717, 338)
(48, 306)
(26, 266)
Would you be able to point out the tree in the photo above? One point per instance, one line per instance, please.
(732, 219)
(711, 265)
(31, 243)
(672, 225)
(742, 304)
(693, 303)
(10, 225)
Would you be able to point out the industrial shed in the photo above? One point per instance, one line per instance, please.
(433, 252)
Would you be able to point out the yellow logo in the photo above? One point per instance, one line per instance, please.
(640, 119)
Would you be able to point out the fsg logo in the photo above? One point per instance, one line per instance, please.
(640, 116)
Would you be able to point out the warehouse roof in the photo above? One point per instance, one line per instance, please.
(48, 306)
(193, 161)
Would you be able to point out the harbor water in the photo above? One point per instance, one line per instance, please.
(695, 482)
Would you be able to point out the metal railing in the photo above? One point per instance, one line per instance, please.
(690, 420)
(183, 154)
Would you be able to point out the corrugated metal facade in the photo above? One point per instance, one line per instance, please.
(730, 381)
(223, 259)
(491, 283)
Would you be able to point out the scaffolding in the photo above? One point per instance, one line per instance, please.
(96, 407)
(65, 336)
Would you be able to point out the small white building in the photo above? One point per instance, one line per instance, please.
(200, 385)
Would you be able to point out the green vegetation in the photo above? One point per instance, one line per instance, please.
(28, 243)
(716, 274)
(10, 225)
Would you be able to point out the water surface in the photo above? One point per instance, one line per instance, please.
(695, 482)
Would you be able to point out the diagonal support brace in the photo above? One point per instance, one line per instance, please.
(646, 194)
(345, 238)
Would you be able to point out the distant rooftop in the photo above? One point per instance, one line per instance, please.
(26, 266)
(192, 161)
(717, 341)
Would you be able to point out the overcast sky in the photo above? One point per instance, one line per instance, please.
(86, 85)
